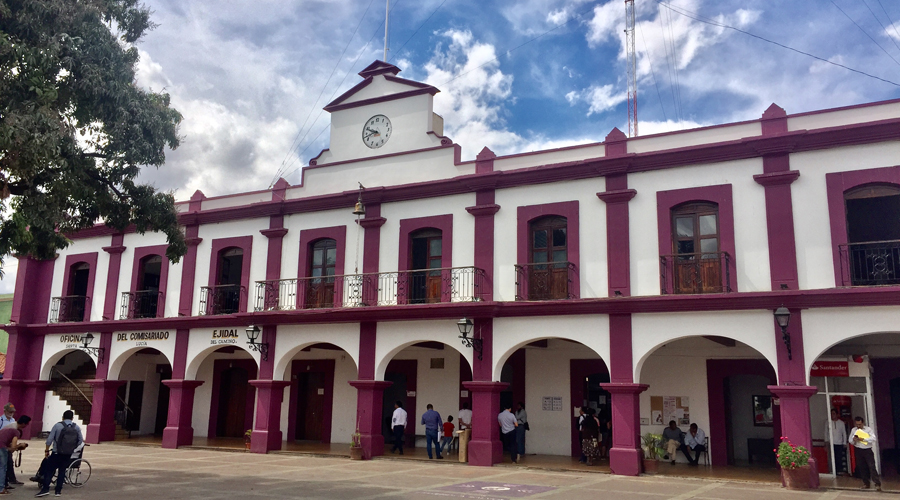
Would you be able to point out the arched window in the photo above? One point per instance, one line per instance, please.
(548, 272)
(426, 252)
(695, 245)
(227, 294)
(322, 260)
(73, 307)
(873, 234)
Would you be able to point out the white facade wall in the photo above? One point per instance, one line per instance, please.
(395, 336)
(836, 118)
(295, 223)
(824, 328)
(439, 387)
(707, 135)
(54, 407)
(143, 369)
(812, 225)
(552, 156)
(80, 246)
(292, 339)
(750, 233)
(592, 268)
(203, 394)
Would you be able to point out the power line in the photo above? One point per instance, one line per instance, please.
(864, 32)
(282, 167)
(655, 83)
(697, 17)
(672, 81)
(888, 16)
(420, 27)
(882, 24)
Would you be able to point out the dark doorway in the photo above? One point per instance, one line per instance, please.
(396, 392)
(147, 294)
(426, 251)
(75, 306)
(129, 416)
(232, 402)
(873, 234)
(895, 413)
(586, 375)
(402, 373)
(228, 281)
(310, 406)
(162, 399)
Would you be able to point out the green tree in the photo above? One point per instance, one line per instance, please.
(75, 128)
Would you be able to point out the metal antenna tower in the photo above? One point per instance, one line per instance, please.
(631, 69)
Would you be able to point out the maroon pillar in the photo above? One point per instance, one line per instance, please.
(112, 276)
(369, 405)
(189, 266)
(267, 431)
(485, 448)
(178, 431)
(625, 455)
(371, 250)
(616, 197)
(484, 211)
(103, 411)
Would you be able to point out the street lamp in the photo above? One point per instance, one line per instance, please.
(465, 328)
(96, 351)
(783, 317)
(262, 348)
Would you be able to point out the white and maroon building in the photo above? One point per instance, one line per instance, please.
(637, 276)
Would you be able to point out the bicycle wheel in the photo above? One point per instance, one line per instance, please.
(78, 473)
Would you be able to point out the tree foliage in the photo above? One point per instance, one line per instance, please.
(75, 128)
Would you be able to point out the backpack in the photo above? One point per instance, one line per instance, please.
(68, 439)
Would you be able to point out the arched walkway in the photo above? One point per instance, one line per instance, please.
(142, 402)
(224, 405)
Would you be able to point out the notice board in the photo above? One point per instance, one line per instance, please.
(664, 409)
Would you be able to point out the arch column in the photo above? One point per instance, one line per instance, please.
(103, 411)
(485, 448)
(178, 431)
(369, 404)
(267, 434)
(625, 455)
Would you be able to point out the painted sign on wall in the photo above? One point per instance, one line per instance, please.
(830, 369)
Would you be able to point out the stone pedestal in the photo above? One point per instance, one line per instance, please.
(625, 455)
(485, 448)
(178, 431)
(369, 402)
(103, 411)
(267, 431)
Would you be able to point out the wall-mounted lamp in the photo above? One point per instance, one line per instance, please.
(783, 317)
(465, 328)
(262, 348)
(96, 351)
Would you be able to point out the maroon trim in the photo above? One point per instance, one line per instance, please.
(326, 368)
(245, 243)
(313, 163)
(579, 369)
(267, 366)
(567, 209)
(139, 254)
(179, 360)
(443, 223)
(368, 331)
(307, 238)
(774, 120)
(618, 254)
(720, 195)
(331, 108)
(408, 368)
(279, 189)
(34, 282)
(620, 352)
(90, 259)
(790, 371)
(887, 369)
(717, 371)
(484, 161)
(484, 211)
(379, 68)
(219, 366)
(189, 271)
(837, 184)
(616, 144)
(274, 248)
(777, 180)
(112, 275)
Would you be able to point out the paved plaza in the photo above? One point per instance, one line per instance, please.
(144, 473)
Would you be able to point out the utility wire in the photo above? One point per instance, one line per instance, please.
(653, 73)
(282, 167)
(672, 83)
(697, 17)
(420, 27)
(888, 16)
(865, 32)
(886, 32)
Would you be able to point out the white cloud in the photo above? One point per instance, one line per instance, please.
(599, 98)
(10, 268)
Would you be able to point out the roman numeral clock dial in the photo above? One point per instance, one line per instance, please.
(376, 131)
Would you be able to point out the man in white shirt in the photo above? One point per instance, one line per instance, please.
(398, 425)
(465, 426)
(863, 438)
(695, 440)
(838, 429)
(508, 424)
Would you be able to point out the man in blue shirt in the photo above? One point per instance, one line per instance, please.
(433, 423)
(65, 438)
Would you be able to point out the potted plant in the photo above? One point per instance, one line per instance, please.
(356, 451)
(651, 444)
(794, 462)
(247, 438)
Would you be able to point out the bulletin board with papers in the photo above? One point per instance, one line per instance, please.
(664, 409)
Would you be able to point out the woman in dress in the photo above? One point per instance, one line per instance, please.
(590, 434)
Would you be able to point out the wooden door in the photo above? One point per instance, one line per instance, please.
(548, 276)
(426, 253)
(697, 263)
(310, 406)
(320, 289)
(232, 403)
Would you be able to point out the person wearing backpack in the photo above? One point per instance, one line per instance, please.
(64, 438)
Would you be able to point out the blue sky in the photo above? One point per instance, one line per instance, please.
(517, 75)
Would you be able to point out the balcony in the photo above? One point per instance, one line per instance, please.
(221, 299)
(428, 286)
(67, 309)
(140, 304)
(870, 263)
(694, 273)
(545, 281)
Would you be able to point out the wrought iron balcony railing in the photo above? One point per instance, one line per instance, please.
(140, 304)
(545, 281)
(221, 299)
(70, 308)
(451, 284)
(870, 263)
(708, 272)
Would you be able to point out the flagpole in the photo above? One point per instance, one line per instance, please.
(387, 17)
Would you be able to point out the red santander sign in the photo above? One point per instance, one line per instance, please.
(830, 369)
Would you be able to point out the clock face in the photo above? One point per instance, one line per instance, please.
(376, 131)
